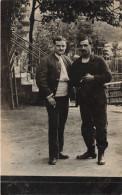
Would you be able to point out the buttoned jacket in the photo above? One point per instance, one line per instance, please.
(48, 74)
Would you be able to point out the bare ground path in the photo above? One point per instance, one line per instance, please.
(25, 145)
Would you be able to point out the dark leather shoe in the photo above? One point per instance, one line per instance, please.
(62, 156)
(52, 161)
(87, 155)
(101, 160)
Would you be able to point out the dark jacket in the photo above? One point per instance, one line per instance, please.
(94, 90)
(48, 74)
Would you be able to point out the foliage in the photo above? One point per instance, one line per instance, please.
(107, 31)
(12, 9)
(45, 33)
(99, 32)
(19, 14)
(19, 8)
(115, 49)
(68, 15)
(69, 10)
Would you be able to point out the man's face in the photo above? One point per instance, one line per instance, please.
(85, 48)
(60, 47)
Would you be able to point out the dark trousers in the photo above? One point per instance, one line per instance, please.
(94, 124)
(57, 118)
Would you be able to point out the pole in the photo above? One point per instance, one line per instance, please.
(15, 88)
(11, 90)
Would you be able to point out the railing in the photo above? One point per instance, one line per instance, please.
(26, 43)
(13, 85)
(23, 45)
(114, 91)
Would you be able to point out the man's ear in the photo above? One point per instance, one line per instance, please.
(91, 46)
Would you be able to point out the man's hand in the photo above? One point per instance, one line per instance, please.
(88, 77)
(51, 101)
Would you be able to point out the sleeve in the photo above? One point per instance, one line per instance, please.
(105, 73)
(41, 78)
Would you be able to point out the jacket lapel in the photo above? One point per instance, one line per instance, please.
(65, 62)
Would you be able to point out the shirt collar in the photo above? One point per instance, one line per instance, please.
(57, 56)
(91, 57)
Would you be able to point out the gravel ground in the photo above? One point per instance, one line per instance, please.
(25, 145)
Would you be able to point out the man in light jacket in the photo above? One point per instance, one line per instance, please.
(53, 81)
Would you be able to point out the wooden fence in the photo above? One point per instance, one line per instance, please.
(114, 89)
(114, 92)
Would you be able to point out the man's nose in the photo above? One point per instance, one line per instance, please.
(83, 47)
(61, 47)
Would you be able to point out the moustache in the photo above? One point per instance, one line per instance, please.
(83, 50)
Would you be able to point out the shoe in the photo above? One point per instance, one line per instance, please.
(87, 155)
(52, 161)
(101, 160)
(62, 156)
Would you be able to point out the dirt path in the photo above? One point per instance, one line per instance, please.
(25, 145)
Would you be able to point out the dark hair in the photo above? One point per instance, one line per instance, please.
(59, 38)
(84, 37)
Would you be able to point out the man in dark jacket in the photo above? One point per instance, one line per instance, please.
(53, 82)
(88, 74)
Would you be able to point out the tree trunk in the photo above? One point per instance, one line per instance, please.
(31, 33)
(5, 45)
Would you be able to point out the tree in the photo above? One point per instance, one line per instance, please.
(20, 22)
(45, 32)
(99, 32)
(31, 31)
(65, 10)
(115, 54)
(10, 10)
(69, 10)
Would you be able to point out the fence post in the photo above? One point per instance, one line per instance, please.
(15, 88)
(11, 89)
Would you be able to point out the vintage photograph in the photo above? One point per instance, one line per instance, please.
(61, 92)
